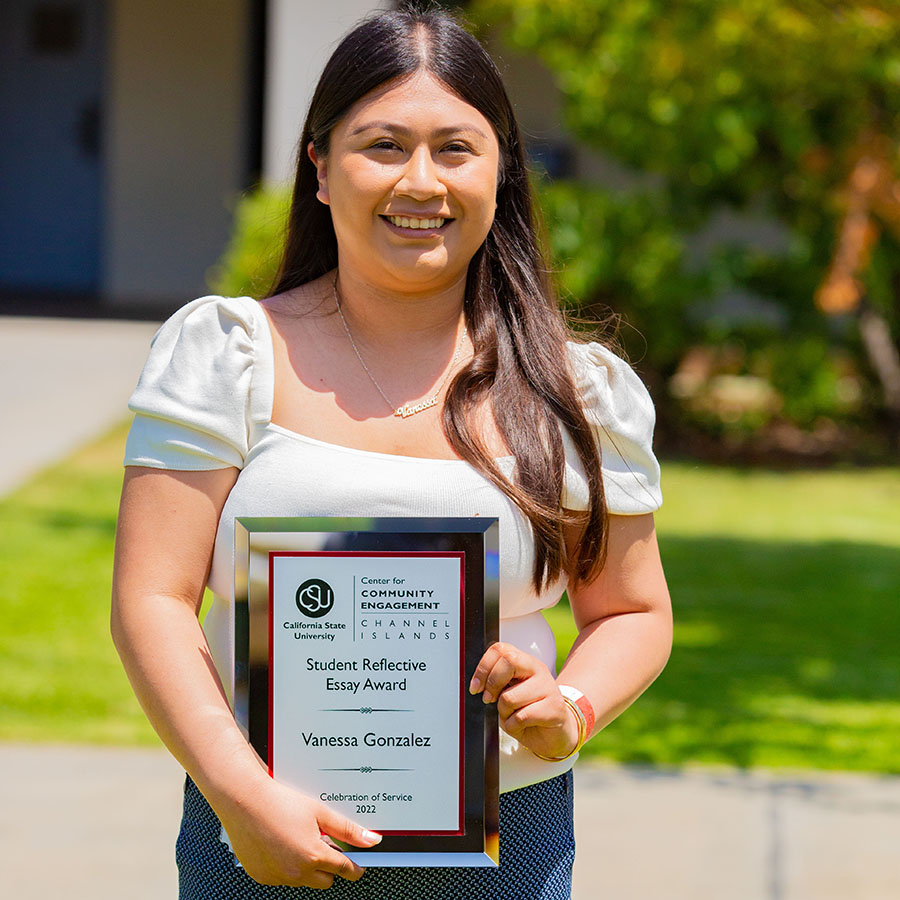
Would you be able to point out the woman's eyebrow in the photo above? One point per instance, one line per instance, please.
(403, 130)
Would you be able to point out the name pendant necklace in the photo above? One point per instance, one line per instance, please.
(407, 410)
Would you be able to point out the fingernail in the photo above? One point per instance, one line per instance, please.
(371, 836)
(475, 686)
(486, 697)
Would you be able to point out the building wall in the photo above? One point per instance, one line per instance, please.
(176, 143)
(298, 45)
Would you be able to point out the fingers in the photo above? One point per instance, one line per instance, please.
(502, 673)
(541, 710)
(343, 829)
(500, 665)
(332, 862)
(545, 713)
(485, 665)
(523, 693)
(349, 870)
(306, 874)
(318, 880)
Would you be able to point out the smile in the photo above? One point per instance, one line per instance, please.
(416, 223)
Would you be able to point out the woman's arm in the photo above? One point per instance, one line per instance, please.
(624, 621)
(164, 544)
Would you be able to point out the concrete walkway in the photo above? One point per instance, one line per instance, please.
(64, 381)
(699, 834)
(97, 823)
(100, 824)
(88, 823)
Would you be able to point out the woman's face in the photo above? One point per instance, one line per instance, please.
(411, 179)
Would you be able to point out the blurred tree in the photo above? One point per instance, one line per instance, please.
(788, 107)
(250, 260)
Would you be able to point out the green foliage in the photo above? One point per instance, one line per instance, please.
(724, 99)
(250, 261)
(882, 281)
(807, 376)
(622, 251)
(758, 104)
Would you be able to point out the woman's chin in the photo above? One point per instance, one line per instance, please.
(425, 271)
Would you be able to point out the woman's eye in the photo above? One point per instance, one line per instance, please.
(384, 145)
(456, 148)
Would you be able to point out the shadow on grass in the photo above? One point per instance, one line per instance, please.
(821, 619)
(785, 654)
(67, 521)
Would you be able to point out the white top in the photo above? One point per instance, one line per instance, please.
(204, 401)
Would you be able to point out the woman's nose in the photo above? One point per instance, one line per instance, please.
(421, 179)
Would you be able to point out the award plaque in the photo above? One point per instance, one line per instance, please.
(355, 641)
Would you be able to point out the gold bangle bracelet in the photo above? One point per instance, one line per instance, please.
(582, 735)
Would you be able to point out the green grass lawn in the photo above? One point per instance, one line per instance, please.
(60, 678)
(786, 589)
(785, 586)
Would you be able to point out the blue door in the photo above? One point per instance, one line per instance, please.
(51, 80)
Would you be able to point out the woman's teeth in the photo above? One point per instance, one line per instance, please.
(405, 222)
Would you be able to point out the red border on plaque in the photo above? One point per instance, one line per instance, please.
(429, 554)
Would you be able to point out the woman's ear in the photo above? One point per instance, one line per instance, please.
(321, 172)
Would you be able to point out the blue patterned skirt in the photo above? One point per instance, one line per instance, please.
(537, 849)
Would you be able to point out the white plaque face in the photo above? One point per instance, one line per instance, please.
(367, 685)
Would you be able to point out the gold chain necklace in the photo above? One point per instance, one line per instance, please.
(407, 410)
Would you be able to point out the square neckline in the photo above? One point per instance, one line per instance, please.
(330, 445)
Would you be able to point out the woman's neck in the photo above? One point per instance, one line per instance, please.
(389, 319)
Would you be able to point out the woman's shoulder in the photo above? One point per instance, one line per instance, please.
(209, 341)
(609, 387)
(621, 414)
(212, 317)
(206, 381)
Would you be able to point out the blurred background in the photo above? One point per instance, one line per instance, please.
(719, 179)
(722, 176)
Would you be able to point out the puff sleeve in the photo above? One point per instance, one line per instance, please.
(621, 415)
(195, 402)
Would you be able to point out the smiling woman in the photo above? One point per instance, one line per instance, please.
(410, 360)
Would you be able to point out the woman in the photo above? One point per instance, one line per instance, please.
(410, 361)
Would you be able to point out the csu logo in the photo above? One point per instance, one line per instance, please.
(315, 598)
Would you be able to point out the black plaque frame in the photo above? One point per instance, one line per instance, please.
(478, 540)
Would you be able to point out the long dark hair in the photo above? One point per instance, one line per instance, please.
(520, 364)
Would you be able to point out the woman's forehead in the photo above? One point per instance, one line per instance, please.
(417, 99)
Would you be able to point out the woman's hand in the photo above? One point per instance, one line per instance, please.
(278, 835)
(529, 704)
